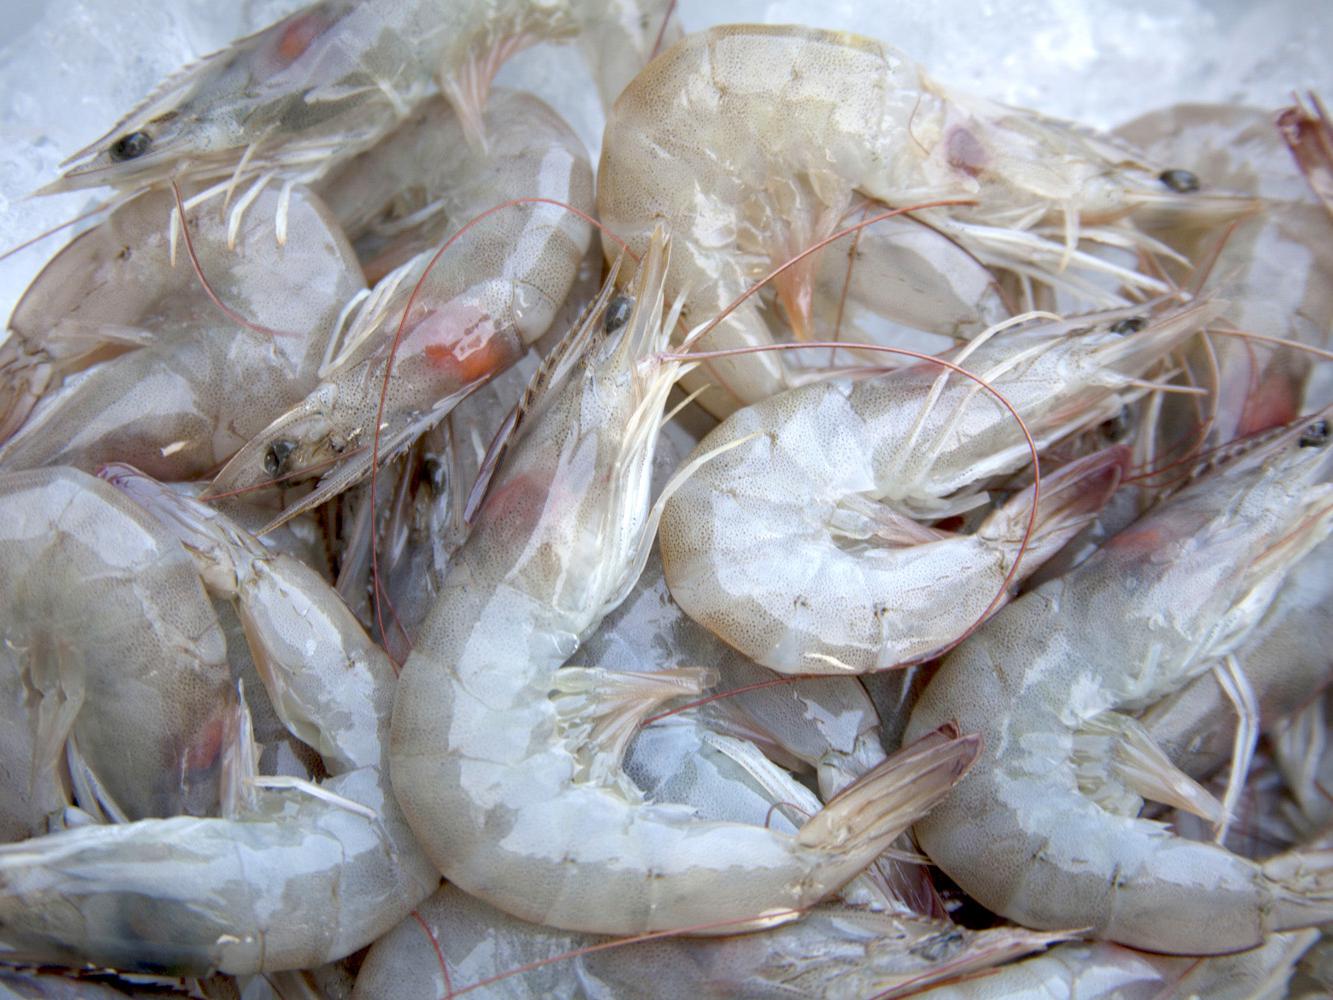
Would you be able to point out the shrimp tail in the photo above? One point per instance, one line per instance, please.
(860, 822)
(1308, 133)
(1069, 500)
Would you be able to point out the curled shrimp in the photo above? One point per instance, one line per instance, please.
(797, 545)
(1044, 830)
(754, 141)
(293, 874)
(480, 745)
(463, 318)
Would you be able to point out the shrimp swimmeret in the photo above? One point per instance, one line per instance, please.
(518, 795)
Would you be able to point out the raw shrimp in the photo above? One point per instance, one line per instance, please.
(1110, 972)
(1043, 831)
(1275, 269)
(200, 385)
(492, 295)
(110, 653)
(294, 875)
(1284, 659)
(332, 79)
(793, 546)
(517, 795)
(834, 952)
(754, 141)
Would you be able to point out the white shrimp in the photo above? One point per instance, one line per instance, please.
(327, 82)
(110, 657)
(518, 795)
(836, 952)
(472, 315)
(754, 141)
(294, 875)
(793, 545)
(1043, 831)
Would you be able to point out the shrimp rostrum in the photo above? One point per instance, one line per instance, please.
(1044, 829)
(518, 795)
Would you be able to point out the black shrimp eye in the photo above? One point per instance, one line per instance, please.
(1315, 436)
(1179, 181)
(1117, 428)
(1131, 325)
(130, 147)
(617, 312)
(275, 459)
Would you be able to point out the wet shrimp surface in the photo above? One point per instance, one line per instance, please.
(840, 536)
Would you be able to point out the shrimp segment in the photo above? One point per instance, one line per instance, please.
(756, 140)
(506, 784)
(1032, 833)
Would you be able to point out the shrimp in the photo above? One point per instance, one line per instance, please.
(329, 81)
(792, 546)
(834, 952)
(474, 316)
(111, 657)
(199, 385)
(480, 745)
(754, 141)
(293, 875)
(1275, 268)
(1043, 831)
(1109, 972)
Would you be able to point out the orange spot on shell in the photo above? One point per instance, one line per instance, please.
(297, 36)
(470, 361)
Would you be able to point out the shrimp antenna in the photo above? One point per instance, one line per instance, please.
(90, 214)
(227, 311)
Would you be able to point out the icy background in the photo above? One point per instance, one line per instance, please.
(71, 68)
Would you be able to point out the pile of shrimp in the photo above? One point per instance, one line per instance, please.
(858, 539)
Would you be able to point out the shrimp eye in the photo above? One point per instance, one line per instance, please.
(617, 312)
(1179, 181)
(1117, 428)
(1131, 325)
(1315, 436)
(275, 459)
(130, 147)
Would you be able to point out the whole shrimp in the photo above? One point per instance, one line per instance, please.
(197, 385)
(794, 547)
(479, 745)
(754, 141)
(1043, 831)
(835, 952)
(293, 874)
(475, 313)
(332, 79)
(111, 658)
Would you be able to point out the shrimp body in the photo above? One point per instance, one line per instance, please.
(475, 314)
(108, 643)
(793, 546)
(754, 141)
(1036, 833)
(289, 877)
(519, 796)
